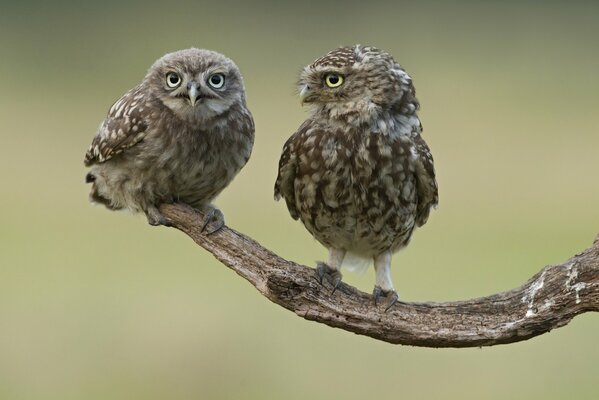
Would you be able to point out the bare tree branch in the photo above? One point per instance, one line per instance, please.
(548, 300)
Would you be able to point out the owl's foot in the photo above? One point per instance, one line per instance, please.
(171, 199)
(333, 276)
(378, 292)
(214, 220)
(155, 218)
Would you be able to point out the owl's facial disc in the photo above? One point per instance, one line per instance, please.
(178, 86)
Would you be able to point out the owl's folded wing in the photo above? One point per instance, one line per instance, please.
(285, 184)
(426, 184)
(122, 129)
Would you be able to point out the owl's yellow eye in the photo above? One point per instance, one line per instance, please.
(333, 80)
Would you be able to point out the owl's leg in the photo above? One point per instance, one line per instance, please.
(384, 285)
(155, 217)
(332, 268)
(214, 219)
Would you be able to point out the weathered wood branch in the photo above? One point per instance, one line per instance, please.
(548, 300)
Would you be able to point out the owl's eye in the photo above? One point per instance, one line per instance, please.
(333, 80)
(217, 81)
(173, 79)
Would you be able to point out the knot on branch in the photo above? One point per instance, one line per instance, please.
(283, 289)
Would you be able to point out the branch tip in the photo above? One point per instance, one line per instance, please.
(502, 318)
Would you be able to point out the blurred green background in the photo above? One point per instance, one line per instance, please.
(99, 305)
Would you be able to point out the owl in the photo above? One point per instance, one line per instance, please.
(357, 172)
(181, 135)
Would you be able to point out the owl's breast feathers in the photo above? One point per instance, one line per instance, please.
(124, 127)
(326, 175)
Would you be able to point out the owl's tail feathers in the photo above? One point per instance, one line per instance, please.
(356, 263)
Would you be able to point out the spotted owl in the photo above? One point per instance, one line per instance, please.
(181, 135)
(357, 172)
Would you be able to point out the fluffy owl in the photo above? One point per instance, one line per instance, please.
(357, 173)
(181, 135)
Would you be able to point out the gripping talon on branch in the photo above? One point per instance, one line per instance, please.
(155, 217)
(332, 275)
(378, 292)
(213, 221)
(426, 324)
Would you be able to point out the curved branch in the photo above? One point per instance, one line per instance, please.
(548, 300)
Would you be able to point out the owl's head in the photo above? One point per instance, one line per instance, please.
(359, 82)
(197, 85)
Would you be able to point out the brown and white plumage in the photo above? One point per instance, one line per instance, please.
(181, 135)
(357, 173)
(124, 127)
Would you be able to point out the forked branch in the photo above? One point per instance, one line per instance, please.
(548, 300)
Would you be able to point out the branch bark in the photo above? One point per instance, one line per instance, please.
(548, 300)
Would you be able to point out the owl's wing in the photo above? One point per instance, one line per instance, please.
(285, 184)
(426, 184)
(124, 127)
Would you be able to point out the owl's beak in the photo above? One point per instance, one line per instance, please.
(306, 95)
(193, 93)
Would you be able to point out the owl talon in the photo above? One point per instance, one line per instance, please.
(214, 220)
(155, 218)
(164, 222)
(336, 282)
(334, 276)
(378, 292)
(171, 200)
(394, 299)
(321, 270)
(160, 221)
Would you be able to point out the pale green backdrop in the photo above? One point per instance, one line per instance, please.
(99, 305)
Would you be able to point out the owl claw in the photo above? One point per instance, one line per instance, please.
(378, 292)
(171, 200)
(394, 299)
(155, 218)
(323, 270)
(214, 220)
(164, 222)
(336, 282)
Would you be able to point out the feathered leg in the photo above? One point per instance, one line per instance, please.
(384, 285)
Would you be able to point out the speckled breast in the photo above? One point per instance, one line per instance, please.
(357, 191)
